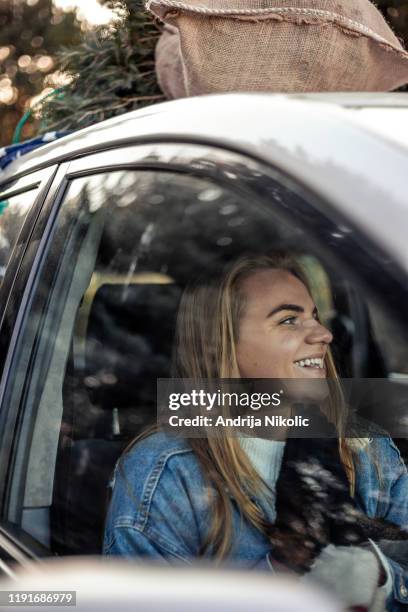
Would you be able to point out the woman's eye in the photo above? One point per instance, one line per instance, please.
(288, 321)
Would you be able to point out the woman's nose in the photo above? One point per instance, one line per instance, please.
(318, 333)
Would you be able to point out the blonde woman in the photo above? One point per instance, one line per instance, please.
(176, 500)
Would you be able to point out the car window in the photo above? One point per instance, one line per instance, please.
(386, 331)
(100, 328)
(13, 212)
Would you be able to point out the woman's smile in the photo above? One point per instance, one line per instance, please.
(312, 366)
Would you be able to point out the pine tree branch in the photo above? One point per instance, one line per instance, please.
(117, 60)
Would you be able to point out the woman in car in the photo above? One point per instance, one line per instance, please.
(229, 498)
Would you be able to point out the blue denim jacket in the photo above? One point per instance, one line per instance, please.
(160, 507)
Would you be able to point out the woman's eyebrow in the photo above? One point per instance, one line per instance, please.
(293, 307)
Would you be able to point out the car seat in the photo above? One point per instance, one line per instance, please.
(108, 400)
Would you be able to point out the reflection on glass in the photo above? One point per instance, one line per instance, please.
(13, 212)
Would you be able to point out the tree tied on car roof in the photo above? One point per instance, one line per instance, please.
(111, 71)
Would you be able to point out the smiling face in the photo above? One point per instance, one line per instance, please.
(279, 334)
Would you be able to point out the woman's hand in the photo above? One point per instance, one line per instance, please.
(353, 574)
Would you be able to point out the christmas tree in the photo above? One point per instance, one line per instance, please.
(111, 71)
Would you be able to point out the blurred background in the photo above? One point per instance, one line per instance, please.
(31, 34)
(86, 55)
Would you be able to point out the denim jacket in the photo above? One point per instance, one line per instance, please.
(160, 507)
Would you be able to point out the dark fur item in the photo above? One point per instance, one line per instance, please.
(314, 507)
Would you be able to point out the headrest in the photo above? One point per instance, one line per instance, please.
(129, 343)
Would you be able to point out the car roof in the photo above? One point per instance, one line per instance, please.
(217, 118)
(349, 149)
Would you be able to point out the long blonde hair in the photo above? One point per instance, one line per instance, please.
(205, 347)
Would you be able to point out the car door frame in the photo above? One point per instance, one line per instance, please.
(33, 238)
(178, 157)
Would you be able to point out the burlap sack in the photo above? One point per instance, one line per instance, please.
(169, 65)
(276, 45)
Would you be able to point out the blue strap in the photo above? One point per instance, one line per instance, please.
(15, 151)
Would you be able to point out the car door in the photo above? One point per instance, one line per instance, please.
(21, 200)
(120, 236)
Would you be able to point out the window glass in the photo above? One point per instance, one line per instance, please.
(387, 335)
(13, 212)
(101, 328)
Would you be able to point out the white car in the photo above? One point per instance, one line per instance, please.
(100, 232)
